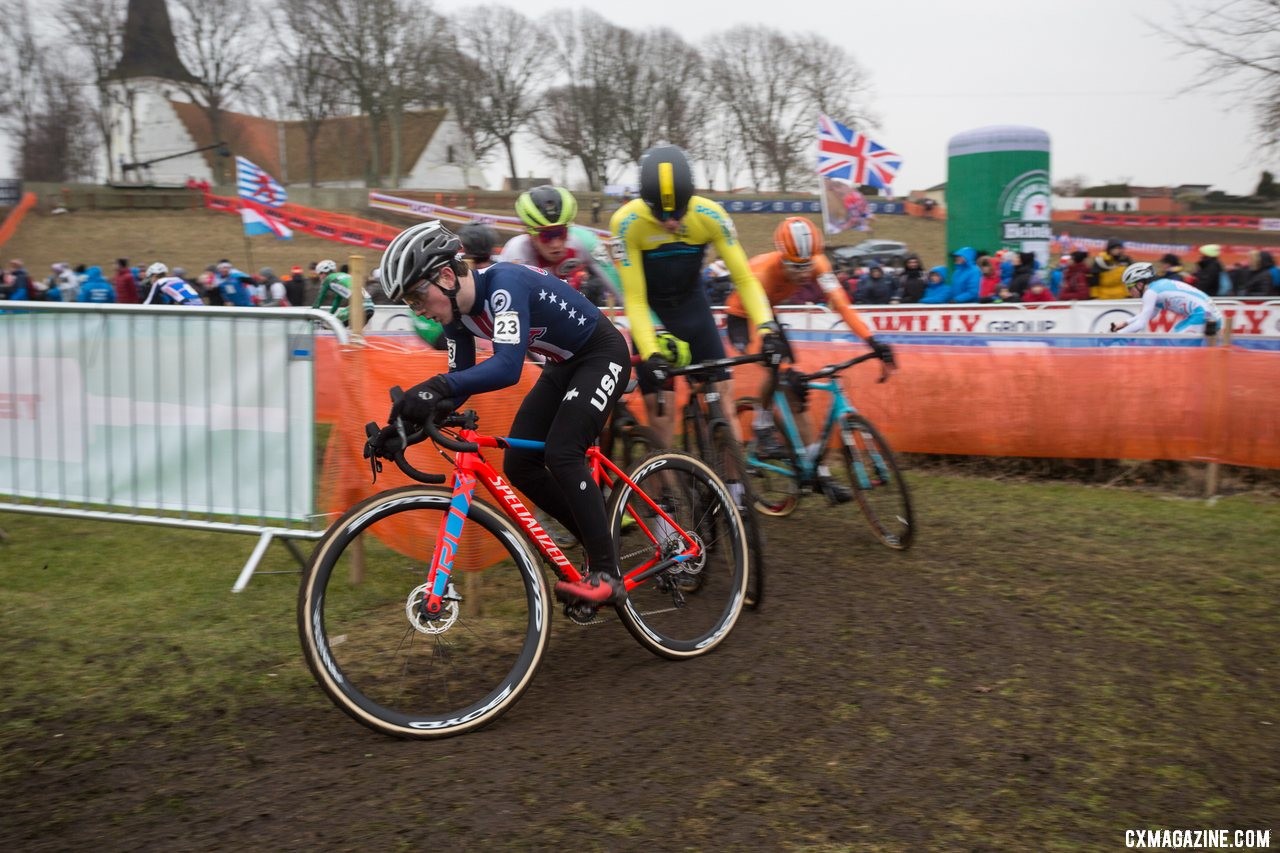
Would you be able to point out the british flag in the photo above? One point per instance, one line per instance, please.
(846, 154)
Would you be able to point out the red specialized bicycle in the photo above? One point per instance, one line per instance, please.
(436, 623)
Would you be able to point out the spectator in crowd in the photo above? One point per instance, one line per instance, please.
(1264, 275)
(1171, 266)
(1106, 277)
(96, 288)
(63, 284)
(875, 288)
(296, 287)
(82, 275)
(232, 285)
(207, 287)
(965, 277)
(911, 280)
(989, 284)
(936, 289)
(16, 280)
(715, 278)
(1005, 259)
(1022, 273)
(276, 294)
(1055, 275)
(596, 206)
(1209, 273)
(126, 283)
(1037, 290)
(1075, 278)
(1238, 278)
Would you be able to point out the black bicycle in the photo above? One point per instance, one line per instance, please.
(708, 435)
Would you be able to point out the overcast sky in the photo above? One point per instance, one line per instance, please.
(1107, 89)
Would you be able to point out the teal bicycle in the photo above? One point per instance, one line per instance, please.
(849, 461)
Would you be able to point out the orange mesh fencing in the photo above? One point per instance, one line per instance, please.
(1216, 404)
(364, 373)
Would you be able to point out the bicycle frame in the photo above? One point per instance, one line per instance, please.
(470, 468)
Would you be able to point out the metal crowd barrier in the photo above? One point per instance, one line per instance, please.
(195, 417)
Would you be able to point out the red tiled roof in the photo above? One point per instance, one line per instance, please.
(342, 145)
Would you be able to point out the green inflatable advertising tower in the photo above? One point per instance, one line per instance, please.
(998, 194)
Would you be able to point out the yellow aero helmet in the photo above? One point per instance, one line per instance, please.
(666, 182)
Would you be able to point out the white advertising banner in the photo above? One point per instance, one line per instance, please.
(178, 413)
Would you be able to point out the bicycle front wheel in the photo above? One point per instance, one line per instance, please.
(688, 608)
(775, 486)
(877, 483)
(374, 652)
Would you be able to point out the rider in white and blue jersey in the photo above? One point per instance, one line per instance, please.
(1193, 305)
(169, 289)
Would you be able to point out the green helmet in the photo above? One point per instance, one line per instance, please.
(546, 205)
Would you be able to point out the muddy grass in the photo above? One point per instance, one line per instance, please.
(1027, 677)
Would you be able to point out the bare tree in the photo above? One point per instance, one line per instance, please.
(660, 94)
(216, 40)
(96, 29)
(1239, 42)
(311, 92)
(504, 57)
(592, 56)
(774, 86)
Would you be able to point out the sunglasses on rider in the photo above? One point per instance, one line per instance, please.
(550, 233)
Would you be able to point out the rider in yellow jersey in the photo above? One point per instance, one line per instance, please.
(660, 242)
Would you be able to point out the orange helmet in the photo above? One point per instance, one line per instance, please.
(797, 240)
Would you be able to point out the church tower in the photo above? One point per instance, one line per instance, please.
(144, 126)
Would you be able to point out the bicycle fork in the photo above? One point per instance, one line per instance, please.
(437, 586)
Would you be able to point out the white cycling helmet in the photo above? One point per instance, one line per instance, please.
(1139, 273)
(325, 267)
(157, 269)
(417, 253)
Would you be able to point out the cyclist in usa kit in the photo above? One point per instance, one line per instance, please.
(661, 238)
(1192, 304)
(521, 310)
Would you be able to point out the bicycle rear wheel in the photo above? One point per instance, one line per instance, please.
(877, 483)
(689, 608)
(731, 465)
(375, 654)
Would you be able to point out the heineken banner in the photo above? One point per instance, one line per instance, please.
(173, 411)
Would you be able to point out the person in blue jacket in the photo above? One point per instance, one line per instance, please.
(966, 279)
(231, 283)
(936, 289)
(96, 288)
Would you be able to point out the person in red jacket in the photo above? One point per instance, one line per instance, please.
(1075, 278)
(126, 284)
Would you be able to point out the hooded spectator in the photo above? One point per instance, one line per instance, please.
(1107, 275)
(1075, 278)
(95, 287)
(989, 284)
(936, 289)
(1022, 273)
(875, 288)
(1037, 290)
(1264, 276)
(126, 284)
(965, 278)
(1172, 265)
(295, 287)
(911, 281)
(1209, 273)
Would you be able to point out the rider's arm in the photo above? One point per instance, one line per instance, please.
(635, 291)
(1139, 323)
(838, 299)
(727, 246)
(324, 291)
(504, 367)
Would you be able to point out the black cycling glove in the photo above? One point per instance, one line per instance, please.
(883, 351)
(773, 344)
(655, 369)
(424, 401)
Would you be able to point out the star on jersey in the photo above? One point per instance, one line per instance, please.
(582, 321)
(573, 312)
(542, 296)
(563, 304)
(573, 392)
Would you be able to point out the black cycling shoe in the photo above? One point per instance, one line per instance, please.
(837, 493)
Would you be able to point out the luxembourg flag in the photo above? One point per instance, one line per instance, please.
(256, 223)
